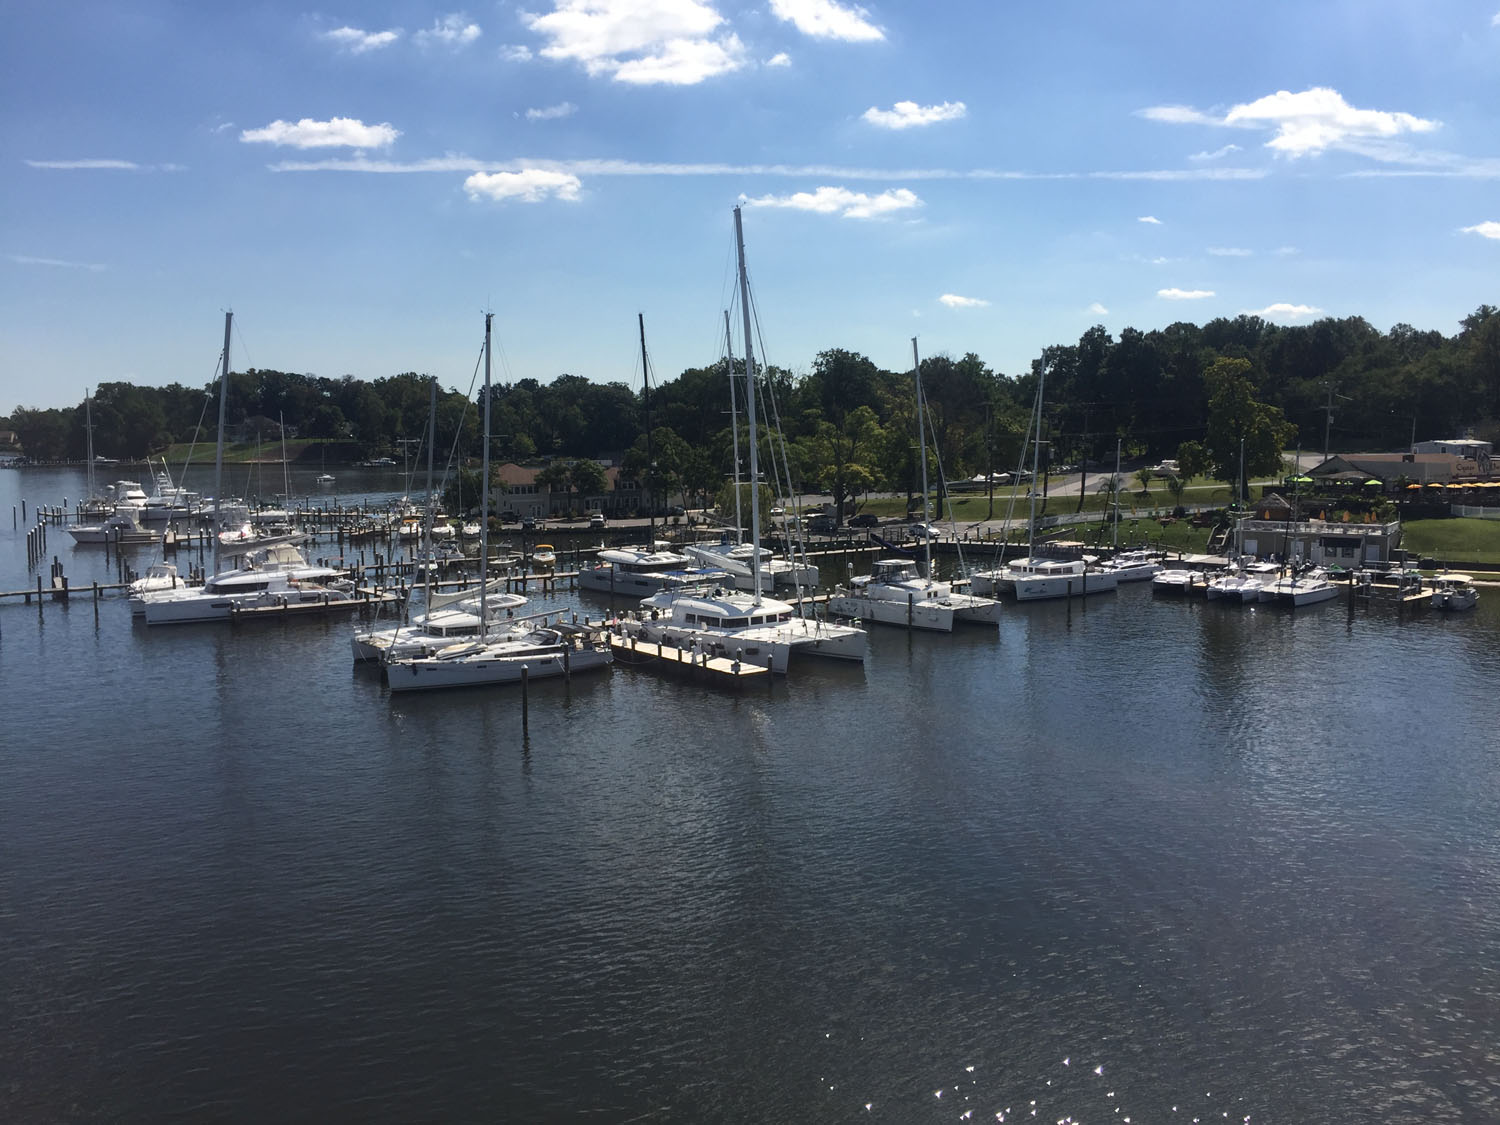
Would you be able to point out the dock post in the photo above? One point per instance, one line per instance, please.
(525, 703)
(911, 609)
(23, 509)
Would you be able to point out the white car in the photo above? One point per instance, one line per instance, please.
(924, 531)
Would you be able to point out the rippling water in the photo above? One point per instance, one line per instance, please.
(1141, 858)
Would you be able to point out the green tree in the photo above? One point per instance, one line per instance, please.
(1236, 420)
(842, 457)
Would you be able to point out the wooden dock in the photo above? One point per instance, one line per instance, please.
(686, 662)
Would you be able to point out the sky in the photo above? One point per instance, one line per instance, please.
(359, 182)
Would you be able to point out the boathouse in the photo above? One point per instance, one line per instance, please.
(1276, 528)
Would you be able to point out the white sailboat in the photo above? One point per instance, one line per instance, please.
(746, 626)
(528, 649)
(895, 592)
(1041, 573)
(273, 573)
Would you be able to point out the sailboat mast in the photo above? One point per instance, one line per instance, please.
(1036, 456)
(88, 425)
(1115, 542)
(734, 429)
(484, 491)
(739, 242)
(640, 319)
(916, 366)
(219, 452)
(431, 441)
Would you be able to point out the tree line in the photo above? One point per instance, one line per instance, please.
(848, 425)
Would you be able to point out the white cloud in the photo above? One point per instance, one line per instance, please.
(1490, 229)
(27, 260)
(954, 301)
(842, 201)
(1310, 122)
(1229, 252)
(1152, 219)
(531, 186)
(73, 165)
(827, 19)
(337, 132)
(552, 112)
(1281, 310)
(780, 58)
(451, 31)
(357, 41)
(664, 42)
(1184, 294)
(905, 115)
(1286, 251)
(515, 52)
(1098, 310)
(1218, 152)
(1495, 20)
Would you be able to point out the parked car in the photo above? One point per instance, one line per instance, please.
(596, 521)
(820, 525)
(924, 531)
(864, 519)
(676, 510)
(508, 516)
(528, 524)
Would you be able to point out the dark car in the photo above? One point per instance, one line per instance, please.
(508, 516)
(864, 519)
(528, 524)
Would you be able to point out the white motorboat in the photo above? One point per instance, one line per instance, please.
(158, 576)
(1037, 577)
(448, 618)
(895, 593)
(123, 526)
(1133, 566)
(1178, 580)
(1306, 588)
(1454, 592)
(639, 572)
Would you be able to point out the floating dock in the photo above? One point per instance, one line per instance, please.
(687, 662)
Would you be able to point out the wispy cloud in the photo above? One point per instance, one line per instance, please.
(1281, 310)
(27, 260)
(1308, 123)
(954, 301)
(1495, 20)
(827, 19)
(1152, 219)
(1286, 251)
(531, 186)
(515, 52)
(1216, 154)
(666, 42)
(906, 115)
(1098, 310)
(337, 132)
(74, 165)
(1489, 229)
(1230, 252)
(843, 202)
(612, 167)
(780, 58)
(1184, 294)
(357, 41)
(552, 112)
(451, 31)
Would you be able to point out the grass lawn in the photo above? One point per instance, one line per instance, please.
(1454, 541)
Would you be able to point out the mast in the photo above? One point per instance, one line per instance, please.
(739, 241)
(88, 425)
(916, 366)
(734, 430)
(484, 492)
(1036, 456)
(431, 440)
(219, 452)
(640, 319)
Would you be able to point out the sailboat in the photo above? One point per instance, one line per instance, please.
(273, 572)
(506, 654)
(745, 626)
(895, 592)
(637, 572)
(1043, 573)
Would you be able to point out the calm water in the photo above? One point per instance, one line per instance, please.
(1247, 863)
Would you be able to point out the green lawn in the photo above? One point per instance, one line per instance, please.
(1454, 541)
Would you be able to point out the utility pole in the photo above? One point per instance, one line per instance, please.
(989, 455)
(1328, 417)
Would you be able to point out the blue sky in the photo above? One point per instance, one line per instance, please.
(359, 182)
